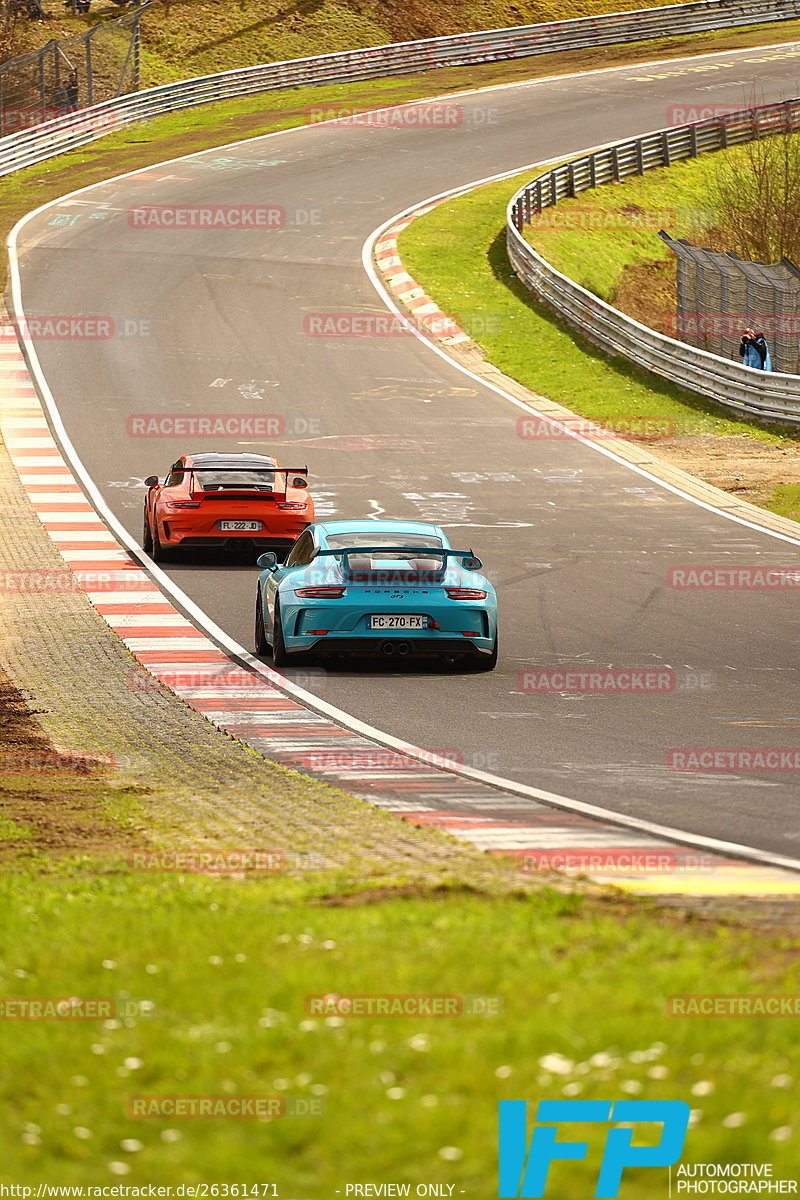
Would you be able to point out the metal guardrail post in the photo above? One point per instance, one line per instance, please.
(42, 86)
(89, 77)
(137, 53)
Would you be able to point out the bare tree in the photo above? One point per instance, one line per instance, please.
(756, 194)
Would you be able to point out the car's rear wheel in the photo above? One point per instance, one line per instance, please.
(159, 553)
(487, 662)
(262, 645)
(279, 656)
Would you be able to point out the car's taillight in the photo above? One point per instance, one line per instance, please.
(321, 593)
(293, 504)
(465, 594)
(183, 504)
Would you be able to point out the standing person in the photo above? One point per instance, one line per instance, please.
(747, 350)
(72, 92)
(762, 350)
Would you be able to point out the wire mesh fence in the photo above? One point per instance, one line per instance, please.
(71, 73)
(720, 296)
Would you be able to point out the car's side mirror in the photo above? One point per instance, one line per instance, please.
(151, 481)
(472, 564)
(299, 482)
(268, 561)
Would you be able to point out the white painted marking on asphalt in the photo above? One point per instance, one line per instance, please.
(129, 597)
(107, 555)
(145, 620)
(163, 643)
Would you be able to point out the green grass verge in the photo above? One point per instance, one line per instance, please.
(457, 253)
(597, 236)
(13, 831)
(786, 501)
(223, 970)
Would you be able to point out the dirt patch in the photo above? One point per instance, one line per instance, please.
(52, 804)
(744, 467)
(647, 293)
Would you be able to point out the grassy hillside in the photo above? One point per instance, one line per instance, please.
(195, 37)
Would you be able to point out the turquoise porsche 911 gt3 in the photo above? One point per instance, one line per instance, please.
(390, 588)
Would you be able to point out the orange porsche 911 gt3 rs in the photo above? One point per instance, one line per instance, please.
(226, 502)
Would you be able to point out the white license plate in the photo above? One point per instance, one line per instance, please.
(398, 621)
(239, 526)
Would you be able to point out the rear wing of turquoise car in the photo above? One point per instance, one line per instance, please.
(471, 562)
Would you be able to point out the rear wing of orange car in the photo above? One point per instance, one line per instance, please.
(275, 471)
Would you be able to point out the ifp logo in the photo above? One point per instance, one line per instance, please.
(523, 1170)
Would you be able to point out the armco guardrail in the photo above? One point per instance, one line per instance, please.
(67, 133)
(761, 394)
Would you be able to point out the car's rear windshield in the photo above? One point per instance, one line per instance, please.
(352, 541)
(221, 479)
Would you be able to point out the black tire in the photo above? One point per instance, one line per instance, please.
(159, 553)
(147, 536)
(487, 662)
(279, 656)
(262, 645)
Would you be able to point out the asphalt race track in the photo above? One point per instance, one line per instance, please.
(579, 546)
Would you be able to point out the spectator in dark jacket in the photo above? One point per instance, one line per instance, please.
(72, 92)
(747, 350)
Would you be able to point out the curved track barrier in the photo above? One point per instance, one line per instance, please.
(70, 132)
(765, 395)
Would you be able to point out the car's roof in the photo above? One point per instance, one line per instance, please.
(404, 527)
